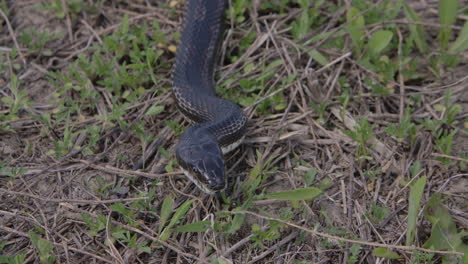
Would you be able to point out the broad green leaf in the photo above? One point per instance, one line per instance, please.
(444, 234)
(394, 9)
(322, 36)
(416, 31)
(120, 208)
(296, 195)
(166, 210)
(165, 234)
(43, 247)
(379, 40)
(200, 226)
(416, 192)
(154, 110)
(318, 57)
(448, 11)
(309, 176)
(236, 223)
(461, 43)
(181, 211)
(273, 65)
(354, 18)
(355, 27)
(385, 253)
(447, 16)
(254, 178)
(249, 67)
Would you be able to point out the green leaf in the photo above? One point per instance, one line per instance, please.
(379, 40)
(166, 210)
(318, 57)
(120, 208)
(355, 27)
(154, 110)
(44, 248)
(416, 192)
(200, 226)
(416, 31)
(461, 43)
(385, 253)
(447, 16)
(444, 234)
(273, 65)
(309, 176)
(7, 100)
(124, 26)
(296, 195)
(181, 211)
(236, 223)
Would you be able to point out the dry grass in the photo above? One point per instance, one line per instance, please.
(50, 194)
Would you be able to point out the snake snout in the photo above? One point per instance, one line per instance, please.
(211, 168)
(216, 178)
(218, 186)
(202, 161)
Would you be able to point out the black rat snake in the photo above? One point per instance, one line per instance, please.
(220, 124)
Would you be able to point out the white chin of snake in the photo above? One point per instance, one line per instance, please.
(200, 185)
(197, 183)
(232, 146)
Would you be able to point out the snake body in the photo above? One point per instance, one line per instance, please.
(220, 124)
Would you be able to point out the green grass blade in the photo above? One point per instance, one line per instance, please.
(155, 110)
(379, 40)
(166, 210)
(318, 57)
(416, 192)
(444, 233)
(355, 24)
(461, 43)
(200, 226)
(385, 253)
(447, 16)
(416, 31)
(296, 195)
(181, 211)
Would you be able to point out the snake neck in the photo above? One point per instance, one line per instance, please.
(220, 118)
(200, 41)
(220, 123)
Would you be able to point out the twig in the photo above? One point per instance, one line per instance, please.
(13, 37)
(51, 200)
(22, 234)
(111, 169)
(140, 232)
(372, 244)
(271, 249)
(440, 155)
(400, 75)
(237, 245)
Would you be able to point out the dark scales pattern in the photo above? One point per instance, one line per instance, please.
(193, 75)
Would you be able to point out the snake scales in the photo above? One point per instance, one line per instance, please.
(220, 124)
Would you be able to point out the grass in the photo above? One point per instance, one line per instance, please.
(355, 151)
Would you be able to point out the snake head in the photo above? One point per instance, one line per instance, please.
(202, 161)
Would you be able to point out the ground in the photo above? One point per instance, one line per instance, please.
(356, 149)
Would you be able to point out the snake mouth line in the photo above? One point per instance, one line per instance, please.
(200, 185)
